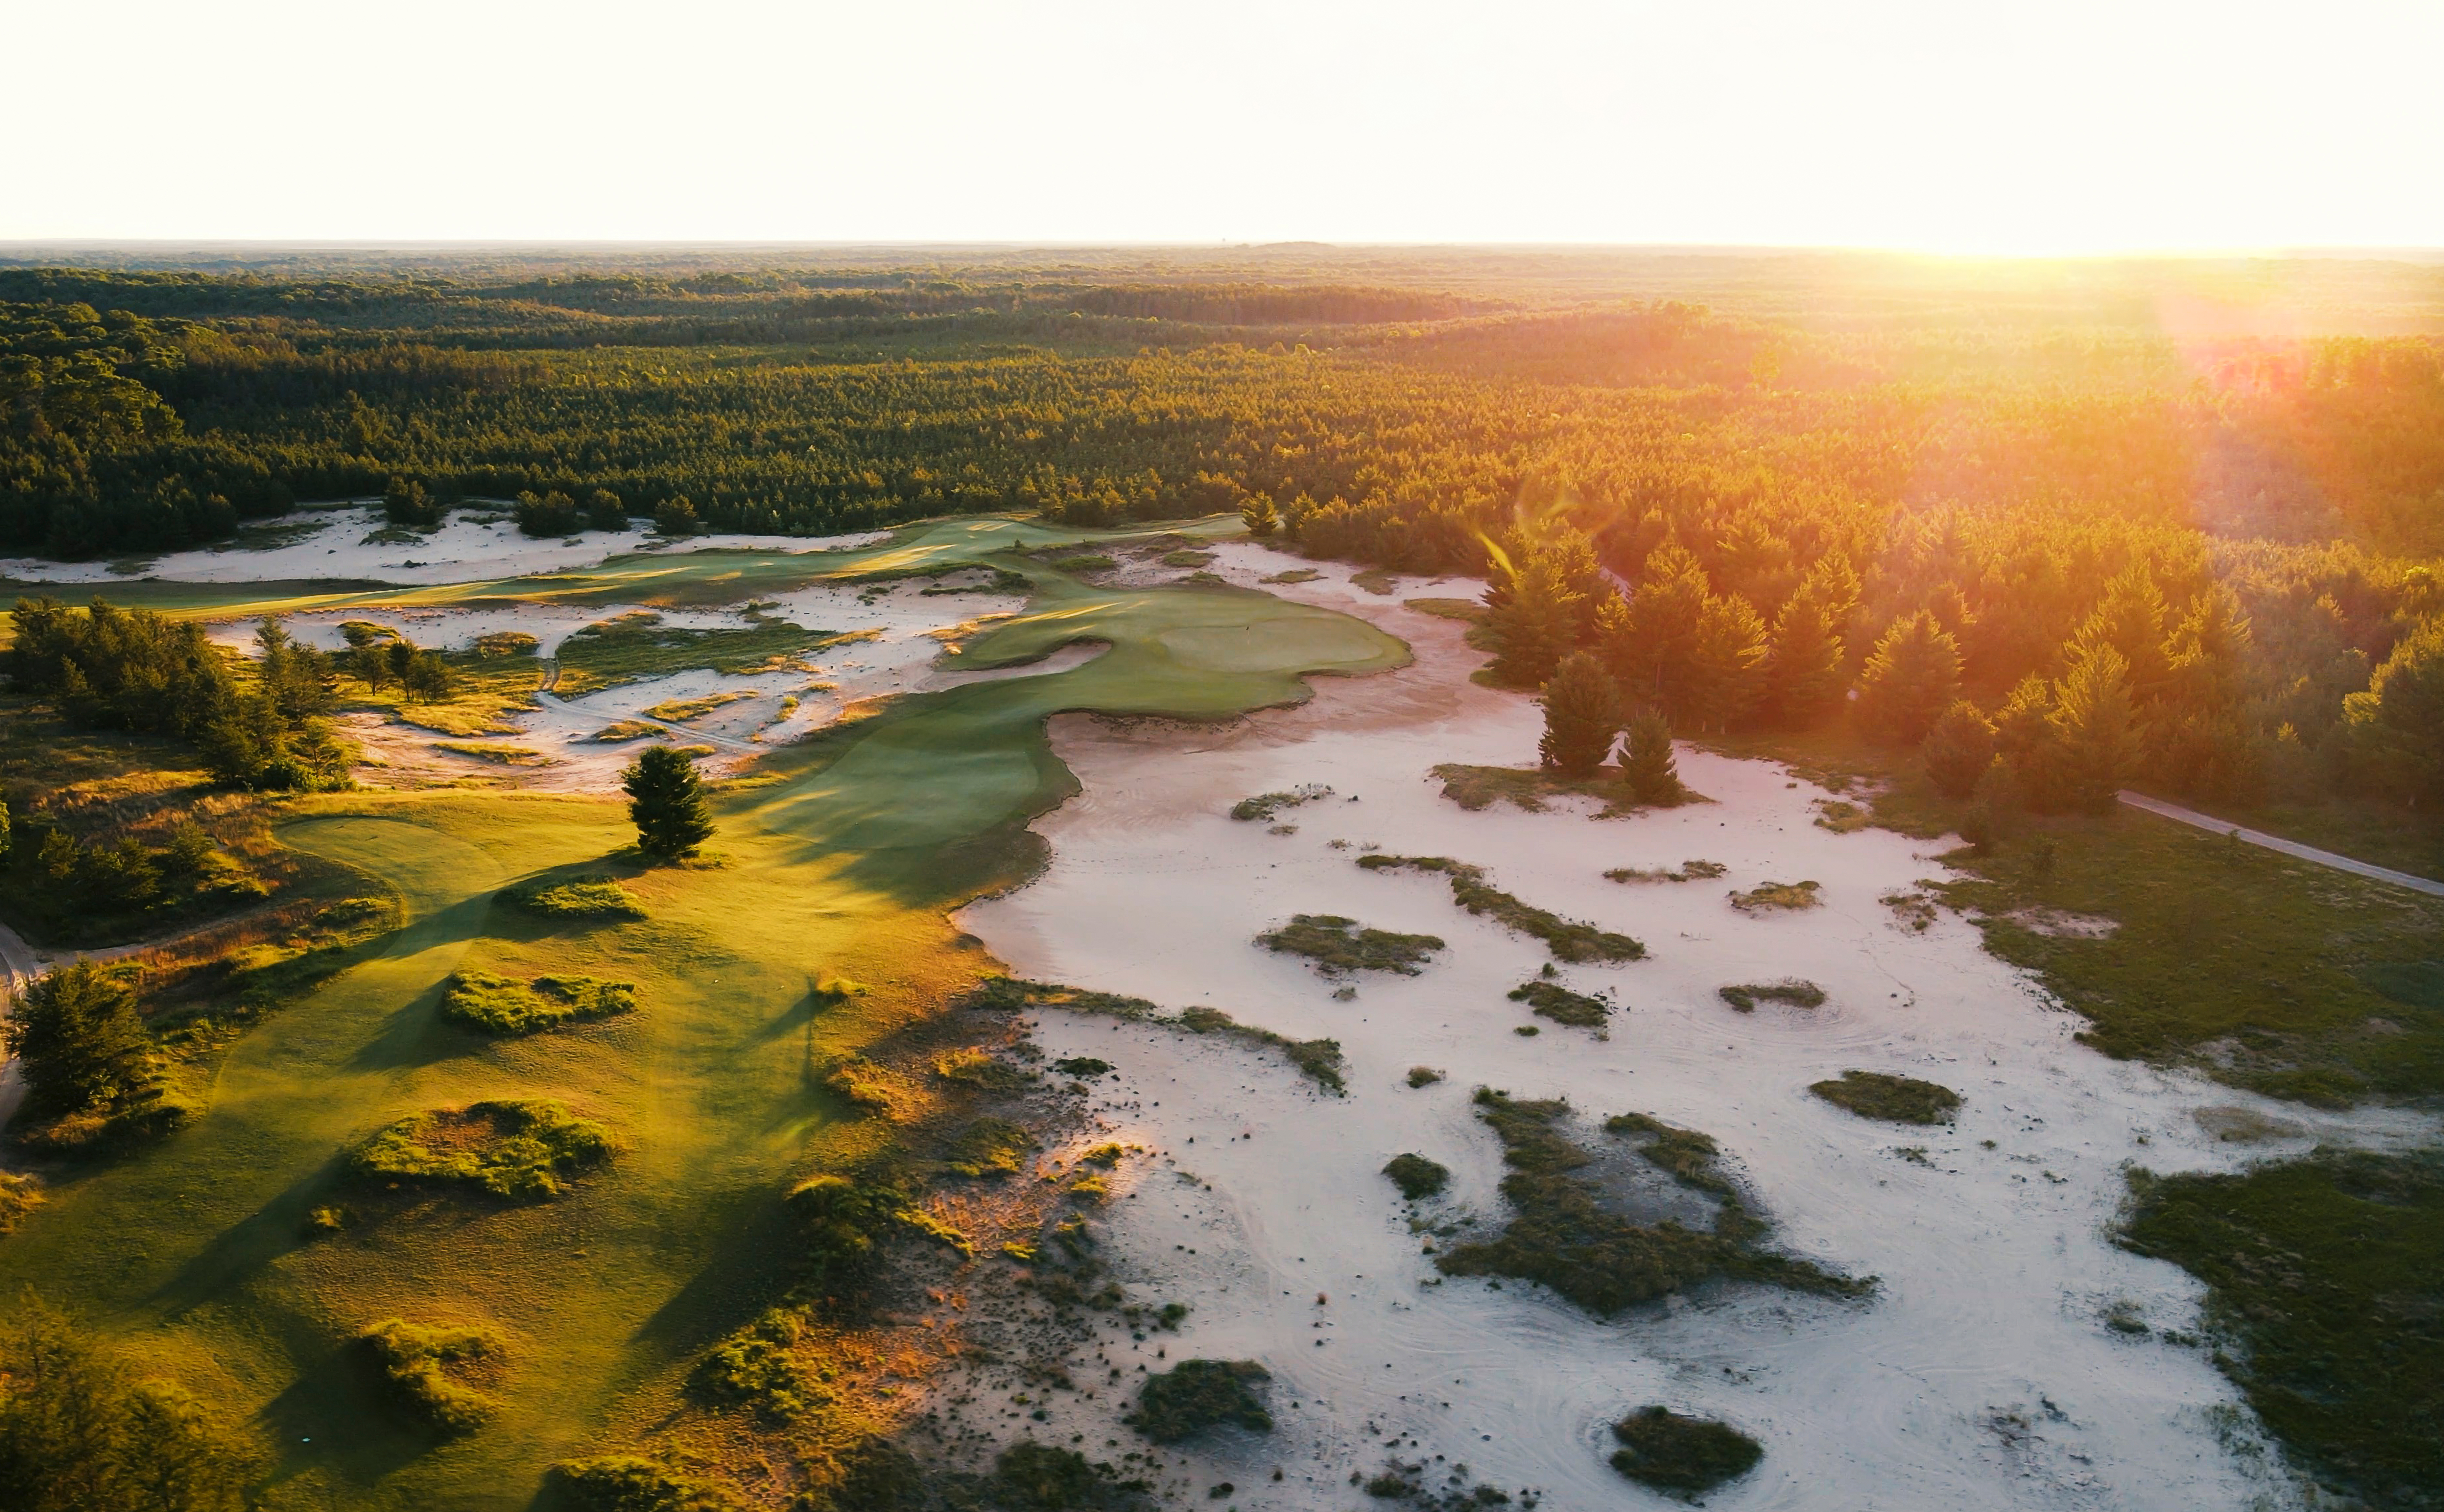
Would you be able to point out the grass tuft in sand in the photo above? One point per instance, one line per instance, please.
(1336, 944)
(1745, 996)
(1669, 1452)
(1265, 806)
(1568, 939)
(1416, 1176)
(1689, 872)
(1893, 1100)
(1199, 1394)
(502, 1006)
(1551, 1000)
(1319, 1060)
(1769, 896)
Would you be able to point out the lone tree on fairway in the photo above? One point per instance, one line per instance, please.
(1582, 716)
(666, 799)
(80, 1037)
(1646, 763)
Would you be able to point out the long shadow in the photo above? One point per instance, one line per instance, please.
(248, 1245)
(334, 1416)
(749, 1271)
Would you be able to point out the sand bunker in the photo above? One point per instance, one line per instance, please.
(1988, 1235)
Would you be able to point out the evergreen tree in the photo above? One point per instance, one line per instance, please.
(1803, 665)
(1582, 716)
(1646, 764)
(2096, 742)
(1913, 676)
(1959, 750)
(1534, 625)
(1726, 664)
(1262, 519)
(1650, 641)
(81, 1039)
(2395, 728)
(2129, 619)
(2196, 738)
(666, 800)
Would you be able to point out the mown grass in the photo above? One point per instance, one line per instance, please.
(2325, 1300)
(1566, 1235)
(1891, 1099)
(1568, 939)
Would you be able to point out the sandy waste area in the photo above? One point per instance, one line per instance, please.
(1982, 1372)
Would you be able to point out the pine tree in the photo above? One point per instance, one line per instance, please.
(1646, 764)
(1913, 676)
(1533, 626)
(666, 800)
(2195, 737)
(1649, 641)
(2096, 744)
(1803, 665)
(1260, 516)
(1959, 750)
(81, 1038)
(2395, 728)
(1582, 716)
(1726, 664)
(2130, 619)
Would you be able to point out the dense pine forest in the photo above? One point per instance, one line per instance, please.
(2124, 512)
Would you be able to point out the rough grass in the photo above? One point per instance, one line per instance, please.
(2325, 1298)
(1265, 806)
(1090, 562)
(1319, 1060)
(1551, 1000)
(1337, 946)
(1689, 872)
(1294, 575)
(1377, 580)
(679, 711)
(1893, 1100)
(586, 897)
(1667, 1451)
(1199, 1394)
(1564, 1234)
(627, 1482)
(1745, 996)
(1567, 939)
(503, 1006)
(1467, 611)
(1423, 1076)
(414, 1364)
(1767, 897)
(510, 1148)
(1416, 1176)
(628, 729)
(1526, 787)
(19, 1196)
(500, 753)
(636, 646)
(990, 1147)
(1841, 815)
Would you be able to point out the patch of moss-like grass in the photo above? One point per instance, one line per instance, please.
(499, 752)
(1195, 1395)
(1779, 897)
(1084, 564)
(633, 647)
(628, 1482)
(1667, 1451)
(1466, 611)
(1294, 575)
(1423, 1076)
(1893, 1100)
(624, 730)
(1689, 872)
(19, 1196)
(503, 1006)
(1527, 787)
(1745, 996)
(1841, 815)
(2325, 1296)
(1551, 1000)
(1568, 939)
(1564, 1234)
(973, 1066)
(1319, 1060)
(1336, 945)
(990, 1147)
(1265, 806)
(1085, 1067)
(1416, 1176)
(414, 1365)
(510, 1148)
(1380, 582)
(585, 898)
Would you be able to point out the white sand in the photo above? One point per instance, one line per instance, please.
(1982, 1375)
(460, 551)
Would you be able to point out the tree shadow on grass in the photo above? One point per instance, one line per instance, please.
(244, 1248)
(334, 1416)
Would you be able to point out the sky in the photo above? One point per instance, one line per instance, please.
(2004, 126)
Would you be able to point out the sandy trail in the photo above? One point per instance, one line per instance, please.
(1982, 1374)
(19, 966)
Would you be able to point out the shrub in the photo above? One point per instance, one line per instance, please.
(1416, 1176)
(1959, 750)
(551, 514)
(81, 1039)
(1423, 1075)
(588, 898)
(521, 1149)
(667, 804)
(1551, 1000)
(1030, 1477)
(1646, 764)
(755, 1367)
(1893, 1100)
(1670, 1452)
(19, 1195)
(413, 1363)
(1197, 1393)
(1747, 995)
(497, 1005)
(1778, 895)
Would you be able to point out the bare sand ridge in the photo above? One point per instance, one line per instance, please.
(1983, 1373)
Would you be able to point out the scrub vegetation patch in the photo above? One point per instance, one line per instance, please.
(1568, 939)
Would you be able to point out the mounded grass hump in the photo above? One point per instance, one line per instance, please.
(1672, 1452)
(1767, 897)
(508, 1148)
(625, 1482)
(1416, 1176)
(1195, 1395)
(586, 897)
(1334, 944)
(502, 1006)
(1893, 1100)
(415, 1363)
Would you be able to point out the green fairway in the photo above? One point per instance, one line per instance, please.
(201, 1252)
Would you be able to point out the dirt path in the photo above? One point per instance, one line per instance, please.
(2276, 842)
(18, 969)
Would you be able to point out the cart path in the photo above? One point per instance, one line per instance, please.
(2276, 842)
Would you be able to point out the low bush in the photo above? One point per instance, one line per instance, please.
(1766, 897)
(1893, 1100)
(522, 1148)
(1747, 995)
(500, 1005)
(755, 1368)
(1336, 944)
(1423, 1075)
(1567, 939)
(413, 1363)
(1667, 1451)
(589, 897)
(1416, 1176)
(1195, 1395)
(1085, 1067)
(1551, 1000)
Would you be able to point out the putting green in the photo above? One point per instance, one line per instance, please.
(199, 1252)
